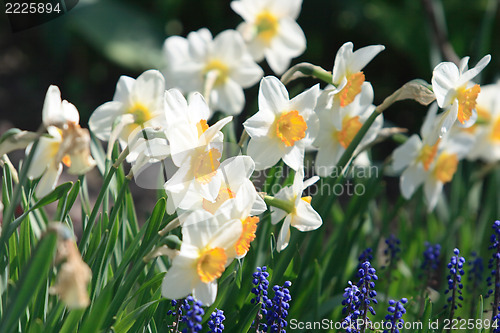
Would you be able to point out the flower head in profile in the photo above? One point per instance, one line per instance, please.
(486, 131)
(271, 31)
(456, 93)
(339, 125)
(428, 163)
(196, 149)
(66, 143)
(299, 214)
(137, 103)
(220, 67)
(347, 75)
(202, 258)
(282, 128)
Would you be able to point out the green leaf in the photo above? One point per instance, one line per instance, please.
(32, 278)
(98, 312)
(126, 323)
(479, 314)
(71, 323)
(426, 317)
(246, 323)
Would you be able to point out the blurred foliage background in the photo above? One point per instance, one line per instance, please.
(85, 51)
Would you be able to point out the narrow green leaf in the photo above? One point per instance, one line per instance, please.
(126, 323)
(479, 314)
(71, 322)
(426, 318)
(246, 323)
(32, 278)
(95, 318)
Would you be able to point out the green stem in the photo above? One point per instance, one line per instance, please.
(287, 206)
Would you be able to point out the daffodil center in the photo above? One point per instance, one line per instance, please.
(201, 126)
(350, 127)
(267, 26)
(218, 67)
(446, 166)
(290, 127)
(211, 264)
(351, 89)
(427, 154)
(247, 235)
(495, 133)
(205, 165)
(140, 112)
(467, 102)
(224, 194)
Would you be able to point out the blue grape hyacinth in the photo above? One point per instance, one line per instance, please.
(278, 308)
(351, 303)
(455, 286)
(261, 284)
(215, 323)
(366, 285)
(494, 266)
(395, 317)
(193, 315)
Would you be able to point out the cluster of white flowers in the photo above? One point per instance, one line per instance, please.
(161, 116)
(446, 138)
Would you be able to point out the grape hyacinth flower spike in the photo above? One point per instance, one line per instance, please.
(455, 285)
(260, 291)
(395, 317)
(278, 308)
(215, 323)
(494, 266)
(351, 303)
(366, 284)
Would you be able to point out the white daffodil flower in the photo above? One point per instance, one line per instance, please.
(416, 155)
(301, 214)
(239, 208)
(57, 112)
(443, 168)
(137, 104)
(431, 164)
(202, 258)
(66, 143)
(339, 126)
(456, 93)
(235, 174)
(486, 131)
(282, 128)
(271, 31)
(220, 67)
(196, 149)
(347, 75)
